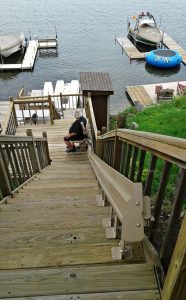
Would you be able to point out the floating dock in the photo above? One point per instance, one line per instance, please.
(144, 95)
(129, 48)
(133, 52)
(30, 54)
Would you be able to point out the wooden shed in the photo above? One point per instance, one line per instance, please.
(100, 87)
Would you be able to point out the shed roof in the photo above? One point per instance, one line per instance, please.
(96, 82)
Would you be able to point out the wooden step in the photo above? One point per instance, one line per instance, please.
(79, 280)
(127, 295)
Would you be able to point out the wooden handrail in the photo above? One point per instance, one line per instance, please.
(170, 148)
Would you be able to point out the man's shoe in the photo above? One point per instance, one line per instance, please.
(71, 150)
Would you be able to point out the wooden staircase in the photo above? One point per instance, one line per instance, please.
(53, 245)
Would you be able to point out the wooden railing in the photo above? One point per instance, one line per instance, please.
(20, 159)
(61, 101)
(159, 162)
(11, 123)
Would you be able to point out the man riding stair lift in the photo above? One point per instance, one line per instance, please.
(77, 133)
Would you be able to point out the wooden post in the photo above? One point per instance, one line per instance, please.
(33, 153)
(47, 148)
(148, 184)
(174, 286)
(159, 199)
(103, 130)
(51, 110)
(117, 153)
(99, 147)
(14, 111)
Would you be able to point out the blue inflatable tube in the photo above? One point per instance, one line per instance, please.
(163, 58)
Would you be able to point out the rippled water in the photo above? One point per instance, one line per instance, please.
(86, 37)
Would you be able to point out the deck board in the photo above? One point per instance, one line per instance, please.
(79, 279)
(127, 295)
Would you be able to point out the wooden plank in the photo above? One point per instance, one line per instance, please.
(34, 257)
(127, 295)
(79, 279)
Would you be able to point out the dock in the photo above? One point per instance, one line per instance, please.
(30, 54)
(144, 95)
(129, 48)
(133, 53)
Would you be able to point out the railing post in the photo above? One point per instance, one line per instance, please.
(47, 148)
(117, 153)
(5, 183)
(51, 110)
(99, 147)
(33, 153)
(14, 111)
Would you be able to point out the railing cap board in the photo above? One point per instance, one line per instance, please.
(170, 148)
(125, 197)
(46, 97)
(19, 139)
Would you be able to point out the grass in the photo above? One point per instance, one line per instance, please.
(166, 118)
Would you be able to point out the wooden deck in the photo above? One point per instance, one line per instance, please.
(129, 48)
(53, 245)
(144, 95)
(139, 96)
(133, 52)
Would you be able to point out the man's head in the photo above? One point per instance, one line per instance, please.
(78, 113)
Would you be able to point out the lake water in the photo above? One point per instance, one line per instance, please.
(86, 32)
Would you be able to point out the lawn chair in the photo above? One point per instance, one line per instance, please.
(181, 89)
(164, 93)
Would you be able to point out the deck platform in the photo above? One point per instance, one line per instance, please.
(144, 95)
(129, 48)
(133, 52)
(30, 54)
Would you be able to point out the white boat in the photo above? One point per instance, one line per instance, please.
(62, 88)
(66, 89)
(145, 30)
(48, 89)
(10, 44)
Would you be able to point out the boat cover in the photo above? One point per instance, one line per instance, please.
(9, 41)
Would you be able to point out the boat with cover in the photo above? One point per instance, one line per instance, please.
(10, 44)
(145, 30)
